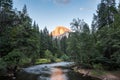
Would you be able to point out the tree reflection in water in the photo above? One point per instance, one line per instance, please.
(57, 74)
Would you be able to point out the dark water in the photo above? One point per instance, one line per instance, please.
(51, 72)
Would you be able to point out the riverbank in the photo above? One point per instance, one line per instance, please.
(103, 75)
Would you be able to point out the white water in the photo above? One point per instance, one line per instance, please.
(46, 68)
(54, 71)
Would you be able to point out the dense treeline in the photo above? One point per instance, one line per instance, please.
(21, 41)
(99, 45)
(19, 38)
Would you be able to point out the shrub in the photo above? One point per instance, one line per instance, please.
(49, 55)
(58, 60)
(14, 57)
(98, 66)
(64, 57)
(2, 64)
(41, 61)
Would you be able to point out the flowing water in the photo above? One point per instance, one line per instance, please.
(55, 71)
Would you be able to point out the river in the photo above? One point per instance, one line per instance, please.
(54, 71)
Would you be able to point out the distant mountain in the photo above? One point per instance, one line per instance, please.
(60, 31)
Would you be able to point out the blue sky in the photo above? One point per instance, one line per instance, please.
(52, 13)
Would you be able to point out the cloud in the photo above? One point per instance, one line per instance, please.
(85, 9)
(61, 1)
(81, 9)
(58, 1)
(117, 1)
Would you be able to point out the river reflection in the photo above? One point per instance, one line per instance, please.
(57, 74)
(56, 71)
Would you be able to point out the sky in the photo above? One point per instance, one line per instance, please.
(52, 13)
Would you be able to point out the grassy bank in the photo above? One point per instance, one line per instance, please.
(44, 61)
(101, 74)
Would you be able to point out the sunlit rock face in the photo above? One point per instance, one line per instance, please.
(60, 31)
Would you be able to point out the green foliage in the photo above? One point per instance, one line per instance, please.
(101, 45)
(116, 57)
(42, 61)
(6, 4)
(58, 60)
(46, 42)
(80, 42)
(14, 57)
(21, 42)
(98, 72)
(64, 57)
(98, 66)
(25, 61)
(19, 39)
(49, 55)
(2, 64)
(106, 11)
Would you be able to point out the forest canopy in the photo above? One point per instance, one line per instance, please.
(21, 41)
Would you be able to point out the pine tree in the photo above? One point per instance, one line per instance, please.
(45, 41)
(105, 14)
(6, 5)
(6, 16)
(63, 44)
(119, 8)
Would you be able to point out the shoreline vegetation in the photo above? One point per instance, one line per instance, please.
(11, 71)
(94, 73)
(100, 74)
